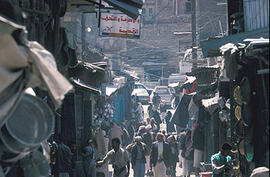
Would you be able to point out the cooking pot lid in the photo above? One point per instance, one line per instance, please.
(31, 122)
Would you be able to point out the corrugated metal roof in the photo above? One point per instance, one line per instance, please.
(256, 14)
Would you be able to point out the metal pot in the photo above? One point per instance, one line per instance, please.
(31, 123)
(249, 151)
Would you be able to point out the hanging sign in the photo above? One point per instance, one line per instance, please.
(119, 25)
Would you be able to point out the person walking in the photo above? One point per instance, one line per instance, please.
(222, 163)
(181, 139)
(115, 132)
(187, 154)
(138, 153)
(150, 109)
(156, 100)
(154, 126)
(119, 159)
(63, 158)
(89, 155)
(157, 118)
(159, 158)
(140, 113)
(173, 155)
(141, 130)
(198, 145)
(169, 125)
(147, 138)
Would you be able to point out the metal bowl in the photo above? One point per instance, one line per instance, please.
(31, 123)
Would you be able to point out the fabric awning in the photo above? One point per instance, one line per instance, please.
(210, 47)
(181, 114)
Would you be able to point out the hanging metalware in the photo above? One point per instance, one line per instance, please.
(245, 90)
(31, 123)
(237, 95)
(249, 151)
(238, 112)
(241, 147)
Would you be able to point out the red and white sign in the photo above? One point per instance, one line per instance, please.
(119, 25)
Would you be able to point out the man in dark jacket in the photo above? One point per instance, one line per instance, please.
(159, 158)
(64, 156)
(174, 154)
(138, 152)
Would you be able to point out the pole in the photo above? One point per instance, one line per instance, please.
(162, 75)
(83, 36)
(156, 12)
(194, 35)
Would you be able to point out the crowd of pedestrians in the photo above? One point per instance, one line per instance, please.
(139, 144)
(145, 149)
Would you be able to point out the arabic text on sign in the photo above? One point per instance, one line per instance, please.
(133, 31)
(114, 18)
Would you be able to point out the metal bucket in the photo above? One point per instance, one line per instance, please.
(31, 123)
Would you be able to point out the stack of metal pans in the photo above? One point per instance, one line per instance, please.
(30, 123)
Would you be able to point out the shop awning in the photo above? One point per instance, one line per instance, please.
(211, 104)
(80, 6)
(127, 74)
(80, 84)
(88, 73)
(130, 7)
(210, 47)
(174, 84)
